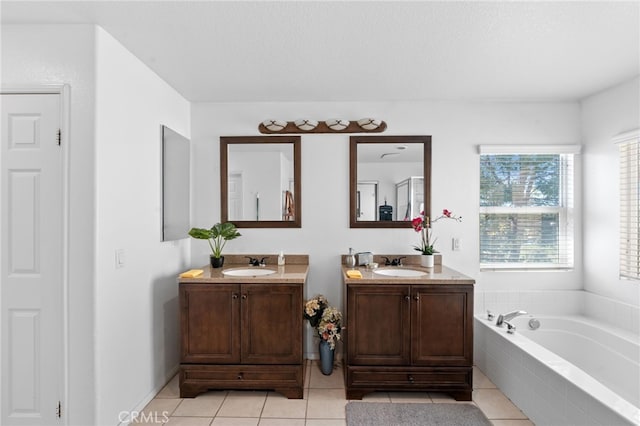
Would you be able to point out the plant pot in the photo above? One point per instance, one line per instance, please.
(326, 357)
(427, 260)
(217, 262)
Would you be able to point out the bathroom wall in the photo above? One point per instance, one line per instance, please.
(136, 315)
(457, 129)
(41, 55)
(122, 323)
(605, 115)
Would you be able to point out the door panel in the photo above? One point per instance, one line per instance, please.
(210, 323)
(270, 314)
(381, 317)
(31, 269)
(441, 327)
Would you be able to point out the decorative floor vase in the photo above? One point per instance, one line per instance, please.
(326, 358)
(426, 260)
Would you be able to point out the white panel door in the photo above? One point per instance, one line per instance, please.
(31, 250)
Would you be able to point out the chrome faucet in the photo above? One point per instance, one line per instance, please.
(502, 318)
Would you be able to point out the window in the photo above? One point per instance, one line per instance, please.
(628, 145)
(526, 207)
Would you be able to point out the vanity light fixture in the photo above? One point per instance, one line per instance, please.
(335, 125)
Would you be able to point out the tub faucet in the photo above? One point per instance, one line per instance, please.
(507, 317)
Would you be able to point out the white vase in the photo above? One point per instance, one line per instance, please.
(426, 260)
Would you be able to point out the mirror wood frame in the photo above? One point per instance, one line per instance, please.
(225, 141)
(354, 141)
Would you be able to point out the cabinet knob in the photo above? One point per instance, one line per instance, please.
(240, 376)
(416, 298)
(244, 296)
(410, 379)
(234, 296)
(407, 297)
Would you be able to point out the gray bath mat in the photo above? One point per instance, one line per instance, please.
(414, 414)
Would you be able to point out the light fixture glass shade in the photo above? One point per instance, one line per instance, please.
(274, 125)
(306, 125)
(337, 124)
(369, 123)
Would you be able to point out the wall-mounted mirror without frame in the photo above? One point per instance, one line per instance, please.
(260, 181)
(390, 180)
(175, 185)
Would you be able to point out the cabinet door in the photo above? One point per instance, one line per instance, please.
(442, 325)
(210, 323)
(378, 325)
(271, 323)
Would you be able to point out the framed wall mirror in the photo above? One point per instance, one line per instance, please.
(175, 185)
(260, 181)
(389, 180)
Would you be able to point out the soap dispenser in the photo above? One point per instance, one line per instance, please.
(351, 259)
(281, 258)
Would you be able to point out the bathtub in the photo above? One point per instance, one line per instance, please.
(572, 370)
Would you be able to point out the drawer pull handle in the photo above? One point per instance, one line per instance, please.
(240, 376)
(410, 379)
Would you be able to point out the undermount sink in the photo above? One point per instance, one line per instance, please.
(399, 272)
(248, 272)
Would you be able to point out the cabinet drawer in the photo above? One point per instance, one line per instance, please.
(242, 376)
(408, 378)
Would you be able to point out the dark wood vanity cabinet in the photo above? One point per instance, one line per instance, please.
(409, 337)
(241, 336)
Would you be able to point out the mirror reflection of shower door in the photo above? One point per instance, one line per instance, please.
(235, 196)
(367, 200)
(410, 198)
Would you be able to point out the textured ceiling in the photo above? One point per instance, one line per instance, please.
(367, 51)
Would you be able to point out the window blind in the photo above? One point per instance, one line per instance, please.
(629, 148)
(526, 208)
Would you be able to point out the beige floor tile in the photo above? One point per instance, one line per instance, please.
(162, 407)
(409, 397)
(376, 397)
(480, 381)
(512, 423)
(307, 373)
(243, 404)
(495, 405)
(326, 422)
(278, 406)
(281, 422)
(441, 397)
(189, 421)
(171, 389)
(318, 380)
(235, 421)
(204, 405)
(326, 404)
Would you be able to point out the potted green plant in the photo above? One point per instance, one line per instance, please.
(217, 237)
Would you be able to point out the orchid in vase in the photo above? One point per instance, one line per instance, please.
(422, 224)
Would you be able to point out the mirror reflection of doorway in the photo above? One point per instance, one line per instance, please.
(236, 211)
(367, 200)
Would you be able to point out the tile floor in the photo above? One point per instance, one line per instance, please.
(323, 404)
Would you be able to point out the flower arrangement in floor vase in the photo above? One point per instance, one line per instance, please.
(327, 323)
